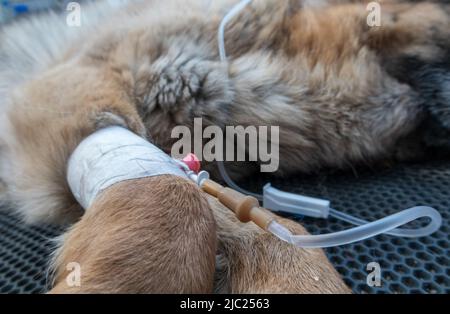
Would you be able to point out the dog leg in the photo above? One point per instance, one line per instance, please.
(253, 261)
(154, 235)
(49, 117)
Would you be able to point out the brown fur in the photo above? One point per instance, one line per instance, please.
(158, 235)
(320, 73)
(151, 235)
(268, 265)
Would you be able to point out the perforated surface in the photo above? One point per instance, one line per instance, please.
(407, 265)
(24, 256)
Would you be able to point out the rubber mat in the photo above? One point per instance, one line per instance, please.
(24, 255)
(407, 265)
(420, 265)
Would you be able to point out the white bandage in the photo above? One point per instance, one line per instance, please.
(113, 155)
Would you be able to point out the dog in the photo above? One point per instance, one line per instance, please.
(341, 91)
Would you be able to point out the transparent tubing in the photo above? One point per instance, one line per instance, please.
(232, 184)
(406, 233)
(365, 229)
(362, 232)
(223, 57)
(227, 18)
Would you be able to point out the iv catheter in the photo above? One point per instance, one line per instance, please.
(247, 208)
(115, 154)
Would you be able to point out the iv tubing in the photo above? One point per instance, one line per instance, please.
(247, 209)
(253, 212)
(365, 231)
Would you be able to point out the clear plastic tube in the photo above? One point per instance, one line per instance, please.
(365, 229)
(227, 18)
(407, 233)
(223, 57)
(232, 184)
(363, 232)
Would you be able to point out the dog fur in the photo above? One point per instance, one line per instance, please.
(334, 85)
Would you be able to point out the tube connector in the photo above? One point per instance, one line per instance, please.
(245, 207)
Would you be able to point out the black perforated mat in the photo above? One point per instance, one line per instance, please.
(407, 265)
(24, 255)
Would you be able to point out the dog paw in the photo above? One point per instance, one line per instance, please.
(174, 87)
(183, 87)
(436, 136)
(431, 81)
(440, 107)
